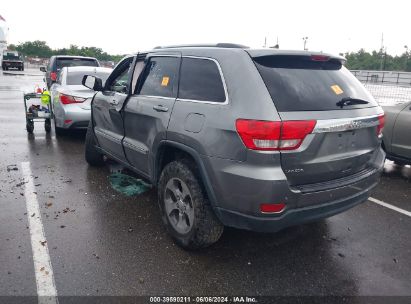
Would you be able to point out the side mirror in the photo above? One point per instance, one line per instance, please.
(43, 69)
(92, 82)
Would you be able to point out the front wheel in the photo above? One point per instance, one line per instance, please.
(185, 210)
(93, 156)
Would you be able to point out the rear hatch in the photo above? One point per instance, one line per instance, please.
(342, 118)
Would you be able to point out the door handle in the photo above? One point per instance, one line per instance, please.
(160, 108)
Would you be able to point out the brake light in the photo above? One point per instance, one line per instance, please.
(381, 124)
(272, 208)
(320, 58)
(274, 135)
(67, 99)
(53, 76)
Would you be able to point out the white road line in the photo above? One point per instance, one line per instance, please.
(384, 204)
(46, 287)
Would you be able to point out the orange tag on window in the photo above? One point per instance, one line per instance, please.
(165, 81)
(337, 90)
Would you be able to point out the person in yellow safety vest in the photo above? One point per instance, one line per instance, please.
(45, 98)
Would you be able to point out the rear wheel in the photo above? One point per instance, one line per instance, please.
(59, 131)
(186, 212)
(93, 156)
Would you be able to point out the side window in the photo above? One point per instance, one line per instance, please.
(60, 76)
(50, 65)
(200, 79)
(136, 74)
(160, 77)
(120, 83)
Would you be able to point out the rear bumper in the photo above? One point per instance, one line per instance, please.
(72, 117)
(239, 189)
(290, 217)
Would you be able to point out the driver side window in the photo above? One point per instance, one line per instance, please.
(120, 83)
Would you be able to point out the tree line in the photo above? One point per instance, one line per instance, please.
(378, 60)
(360, 60)
(40, 49)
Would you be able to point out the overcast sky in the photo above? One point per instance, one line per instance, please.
(121, 26)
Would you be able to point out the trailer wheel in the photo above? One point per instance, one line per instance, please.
(47, 125)
(30, 126)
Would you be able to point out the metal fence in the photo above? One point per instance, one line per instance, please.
(387, 87)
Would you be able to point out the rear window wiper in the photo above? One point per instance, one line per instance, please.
(348, 101)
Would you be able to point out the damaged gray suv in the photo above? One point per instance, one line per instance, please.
(231, 136)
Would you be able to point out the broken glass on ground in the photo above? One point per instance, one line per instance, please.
(128, 185)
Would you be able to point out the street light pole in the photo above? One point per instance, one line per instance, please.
(305, 43)
(406, 57)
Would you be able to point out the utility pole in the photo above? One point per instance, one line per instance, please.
(276, 46)
(383, 53)
(406, 58)
(305, 43)
(265, 42)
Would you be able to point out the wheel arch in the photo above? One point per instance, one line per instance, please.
(169, 150)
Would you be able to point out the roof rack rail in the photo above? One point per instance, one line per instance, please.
(220, 45)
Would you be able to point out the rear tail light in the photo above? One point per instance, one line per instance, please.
(381, 124)
(272, 208)
(274, 135)
(53, 76)
(67, 99)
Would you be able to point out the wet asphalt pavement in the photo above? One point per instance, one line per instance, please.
(109, 244)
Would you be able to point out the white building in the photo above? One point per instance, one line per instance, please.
(4, 31)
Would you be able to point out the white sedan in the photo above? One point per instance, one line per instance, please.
(71, 100)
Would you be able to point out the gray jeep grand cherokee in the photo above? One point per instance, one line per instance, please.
(231, 136)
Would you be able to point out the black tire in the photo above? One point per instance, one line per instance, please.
(400, 163)
(22, 68)
(93, 156)
(30, 126)
(57, 130)
(205, 229)
(47, 125)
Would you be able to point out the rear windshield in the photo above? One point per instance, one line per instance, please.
(68, 62)
(297, 83)
(75, 78)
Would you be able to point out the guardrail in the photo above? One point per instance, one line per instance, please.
(387, 87)
(383, 77)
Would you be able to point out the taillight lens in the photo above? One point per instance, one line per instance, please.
(67, 99)
(381, 124)
(53, 76)
(273, 135)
